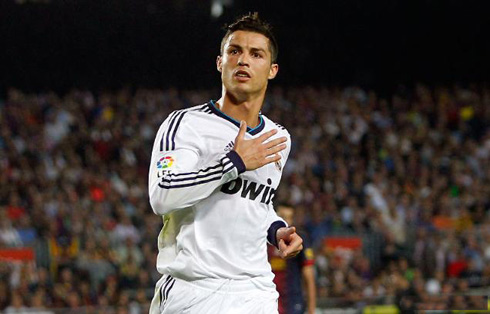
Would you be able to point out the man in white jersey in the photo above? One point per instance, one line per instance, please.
(213, 174)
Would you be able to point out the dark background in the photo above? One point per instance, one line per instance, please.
(107, 44)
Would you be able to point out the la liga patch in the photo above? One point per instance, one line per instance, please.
(165, 162)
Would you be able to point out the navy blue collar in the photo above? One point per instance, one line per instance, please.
(251, 131)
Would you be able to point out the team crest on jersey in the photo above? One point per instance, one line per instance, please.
(165, 162)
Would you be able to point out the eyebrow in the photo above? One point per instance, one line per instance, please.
(252, 49)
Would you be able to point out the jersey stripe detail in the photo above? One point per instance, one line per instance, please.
(167, 142)
(194, 172)
(181, 180)
(225, 170)
(169, 288)
(191, 178)
(207, 110)
(189, 184)
(280, 126)
(163, 287)
(175, 130)
(166, 131)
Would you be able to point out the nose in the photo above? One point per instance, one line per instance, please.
(243, 60)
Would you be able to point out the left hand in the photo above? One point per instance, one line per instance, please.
(289, 242)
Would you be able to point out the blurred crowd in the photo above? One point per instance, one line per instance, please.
(412, 167)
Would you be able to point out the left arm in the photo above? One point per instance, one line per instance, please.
(282, 236)
(289, 242)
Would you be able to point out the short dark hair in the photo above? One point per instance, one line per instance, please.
(252, 23)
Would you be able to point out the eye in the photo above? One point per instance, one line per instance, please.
(233, 51)
(256, 55)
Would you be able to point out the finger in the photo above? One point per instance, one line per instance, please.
(293, 248)
(271, 158)
(282, 245)
(276, 149)
(275, 142)
(285, 233)
(265, 136)
(296, 252)
(289, 231)
(241, 131)
(292, 253)
(296, 241)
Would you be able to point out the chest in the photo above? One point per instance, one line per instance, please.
(221, 139)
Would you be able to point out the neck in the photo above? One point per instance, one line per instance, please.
(246, 110)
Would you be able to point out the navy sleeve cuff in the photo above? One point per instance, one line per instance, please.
(237, 161)
(271, 233)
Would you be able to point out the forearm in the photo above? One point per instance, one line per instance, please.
(179, 188)
(275, 223)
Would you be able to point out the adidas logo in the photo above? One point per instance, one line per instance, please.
(230, 146)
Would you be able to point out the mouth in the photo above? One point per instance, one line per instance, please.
(242, 75)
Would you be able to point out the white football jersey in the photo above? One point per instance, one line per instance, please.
(216, 215)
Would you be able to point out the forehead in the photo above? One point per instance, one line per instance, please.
(247, 39)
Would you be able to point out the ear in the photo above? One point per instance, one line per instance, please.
(219, 63)
(273, 71)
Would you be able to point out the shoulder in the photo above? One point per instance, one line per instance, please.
(282, 131)
(188, 113)
(180, 117)
(180, 126)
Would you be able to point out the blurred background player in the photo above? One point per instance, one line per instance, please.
(296, 275)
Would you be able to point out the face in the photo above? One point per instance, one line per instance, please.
(246, 63)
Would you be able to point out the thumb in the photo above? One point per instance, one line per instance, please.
(286, 233)
(242, 130)
(289, 231)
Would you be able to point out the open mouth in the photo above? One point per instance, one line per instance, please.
(242, 74)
